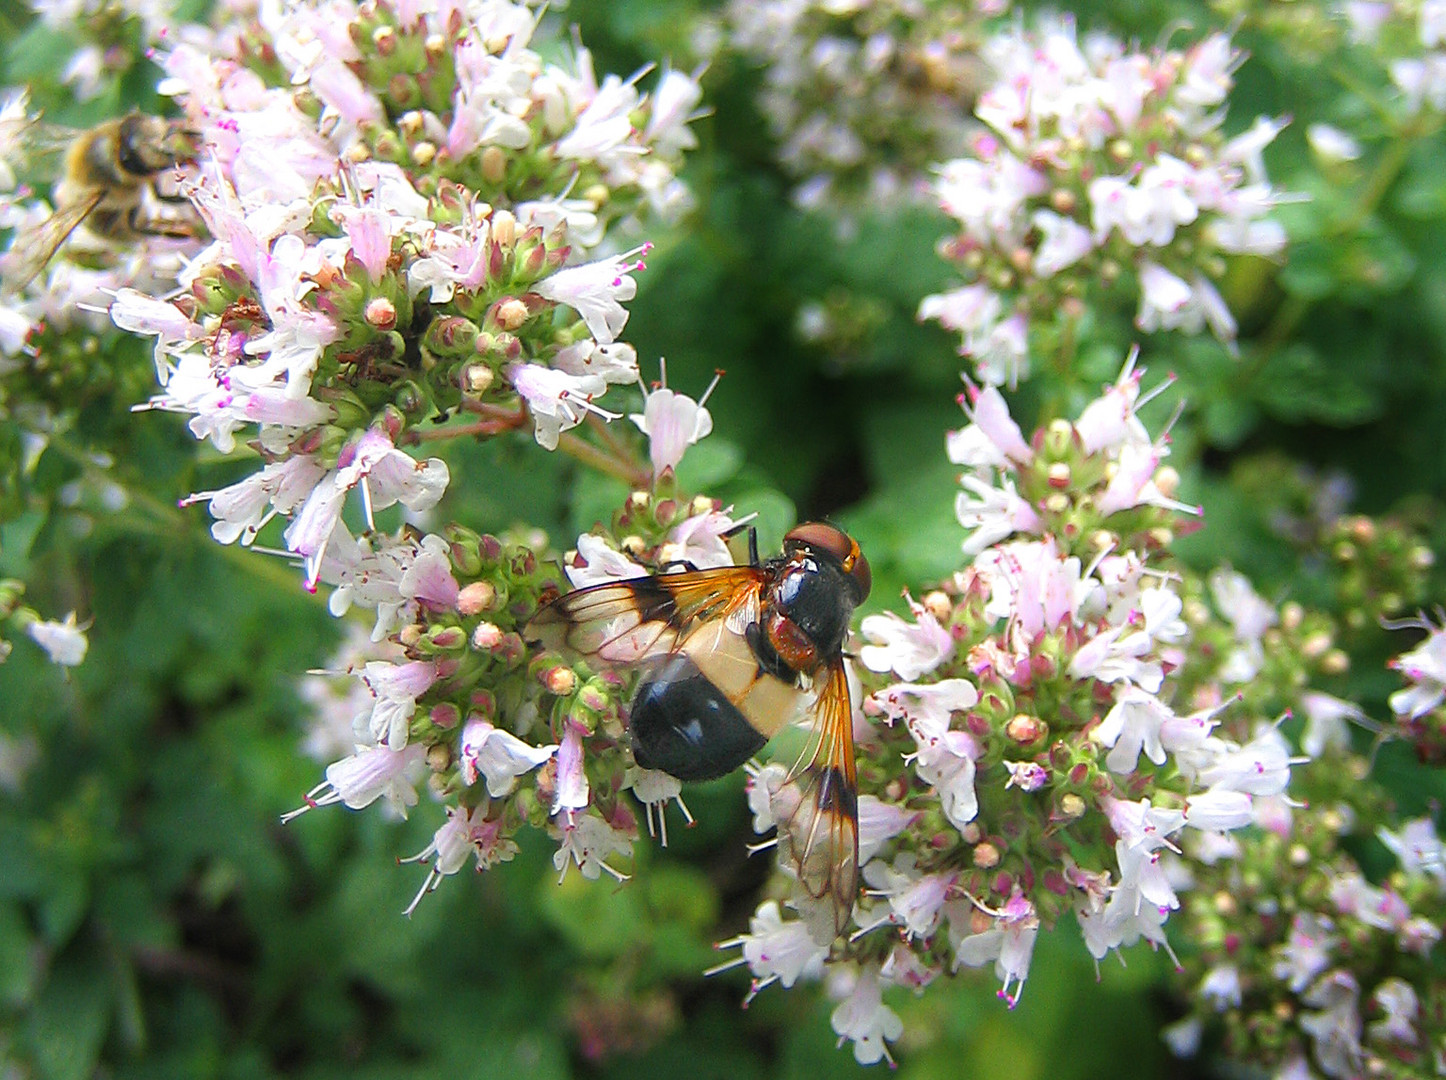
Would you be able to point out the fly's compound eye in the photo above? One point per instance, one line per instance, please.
(822, 537)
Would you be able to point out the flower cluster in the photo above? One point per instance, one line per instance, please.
(1104, 173)
(448, 690)
(1414, 37)
(399, 198)
(861, 97)
(1037, 757)
(1309, 967)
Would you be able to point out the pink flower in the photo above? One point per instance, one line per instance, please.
(572, 791)
(498, 755)
(672, 422)
(588, 841)
(557, 401)
(910, 650)
(368, 775)
(1009, 943)
(596, 291)
(395, 688)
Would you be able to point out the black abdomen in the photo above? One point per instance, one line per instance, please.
(685, 726)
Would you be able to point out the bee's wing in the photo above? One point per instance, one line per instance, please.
(621, 622)
(36, 149)
(32, 247)
(819, 837)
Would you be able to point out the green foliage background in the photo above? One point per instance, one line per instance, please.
(157, 921)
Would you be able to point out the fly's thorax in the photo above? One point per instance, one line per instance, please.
(807, 610)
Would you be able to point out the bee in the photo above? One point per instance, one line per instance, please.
(728, 657)
(106, 181)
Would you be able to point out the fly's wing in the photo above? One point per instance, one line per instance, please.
(818, 836)
(32, 247)
(622, 622)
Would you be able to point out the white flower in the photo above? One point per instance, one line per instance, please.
(499, 756)
(1307, 951)
(1418, 849)
(864, 1019)
(386, 475)
(557, 401)
(65, 642)
(1249, 615)
(910, 650)
(697, 541)
(1221, 987)
(1397, 1000)
(597, 562)
(1336, 1028)
(1424, 665)
(1219, 810)
(596, 291)
(1009, 943)
(672, 422)
(395, 688)
(462, 834)
(371, 773)
(572, 792)
(1260, 767)
(1064, 242)
(992, 439)
(879, 822)
(777, 951)
(1325, 722)
(588, 841)
(992, 513)
(1332, 144)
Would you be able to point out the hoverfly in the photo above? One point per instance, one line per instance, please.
(106, 180)
(728, 657)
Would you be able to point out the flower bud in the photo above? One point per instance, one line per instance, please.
(510, 313)
(380, 313)
(441, 639)
(439, 757)
(1025, 729)
(937, 604)
(985, 855)
(1071, 806)
(504, 226)
(494, 164)
(475, 598)
(445, 715)
(1058, 438)
(476, 379)
(486, 636)
(559, 681)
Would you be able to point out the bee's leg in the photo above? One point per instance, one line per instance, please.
(675, 565)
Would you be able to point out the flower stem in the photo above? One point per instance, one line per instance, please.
(595, 457)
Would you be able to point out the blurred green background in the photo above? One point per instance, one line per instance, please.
(156, 920)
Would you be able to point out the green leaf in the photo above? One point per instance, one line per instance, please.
(19, 958)
(66, 1029)
(1299, 383)
(708, 464)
